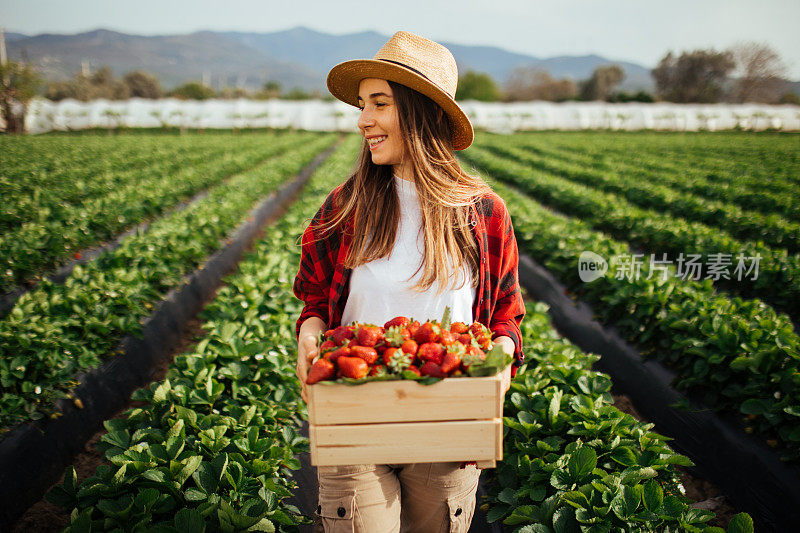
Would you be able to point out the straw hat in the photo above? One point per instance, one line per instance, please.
(415, 62)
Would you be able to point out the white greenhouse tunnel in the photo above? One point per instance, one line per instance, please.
(318, 115)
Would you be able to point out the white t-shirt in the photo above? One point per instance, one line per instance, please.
(382, 289)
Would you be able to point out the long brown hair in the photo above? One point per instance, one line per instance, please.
(446, 192)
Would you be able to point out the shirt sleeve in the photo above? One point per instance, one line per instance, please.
(509, 307)
(313, 281)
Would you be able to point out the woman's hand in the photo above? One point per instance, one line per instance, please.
(506, 379)
(508, 347)
(307, 349)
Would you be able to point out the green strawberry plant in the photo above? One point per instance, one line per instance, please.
(213, 445)
(738, 355)
(58, 330)
(35, 247)
(752, 172)
(571, 460)
(778, 279)
(775, 231)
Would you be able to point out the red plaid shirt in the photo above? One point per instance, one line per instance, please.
(322, 281)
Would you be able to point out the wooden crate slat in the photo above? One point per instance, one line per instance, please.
(406, 401)
(407, 442)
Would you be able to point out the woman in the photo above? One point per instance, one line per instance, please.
(409, 233)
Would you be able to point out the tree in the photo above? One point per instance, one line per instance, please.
(270, 89)
(142, 84)
(622, 96)
(477, 86)
(103, 84)
(59, 90)
(232, 93)
(85, 87)
(603, 80)
(789, 98)
(761, 74)
(531, 83)
(298, 94)
(696, 76)
(18, 84)
(193, 91)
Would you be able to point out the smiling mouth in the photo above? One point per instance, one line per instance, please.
(375, 141)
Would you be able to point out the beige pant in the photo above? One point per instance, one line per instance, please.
(435, 497)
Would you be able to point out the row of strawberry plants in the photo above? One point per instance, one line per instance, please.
(45, 191)
(752, 195)
(64, 204)
(212, 446)
(54, 234)
(778, 276)
(739, 355)
(58, 330)
(42, 159)
(746, 225)
(748, 161)
(37, 246)
(574, 462)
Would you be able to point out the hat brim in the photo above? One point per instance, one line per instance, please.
(344, 79)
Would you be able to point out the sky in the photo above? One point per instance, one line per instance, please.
(642, 31)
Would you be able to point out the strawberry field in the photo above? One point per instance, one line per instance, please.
(214, 442)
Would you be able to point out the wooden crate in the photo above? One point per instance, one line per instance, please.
(396, 422)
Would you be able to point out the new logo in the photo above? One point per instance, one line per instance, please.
(591, 266)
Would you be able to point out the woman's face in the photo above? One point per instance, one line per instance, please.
(380, 125)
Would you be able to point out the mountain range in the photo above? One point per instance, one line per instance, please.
(298, 57)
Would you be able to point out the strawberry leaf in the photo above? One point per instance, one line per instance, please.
(496, 360)
(445, 324)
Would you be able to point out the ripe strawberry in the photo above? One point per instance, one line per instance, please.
(388, 354)
(451, 362)
(78, 255)
(377, 370)
(465, 339)
(395, 360)
(452, 359)
(431, 369)
(427, 332)
(352, 367)
(414, 369)
(327, 346)
(321, 370)
(395, 335)
(412, 328)
(473, 355)
(329, 334)
(397, 321)
(369, 355)
(342, 334)
(334, 356)
(482, 335)
(431, 351)
(410, 347)
(459, 327)
(477, 352)
(448, 337)
(369, 335)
